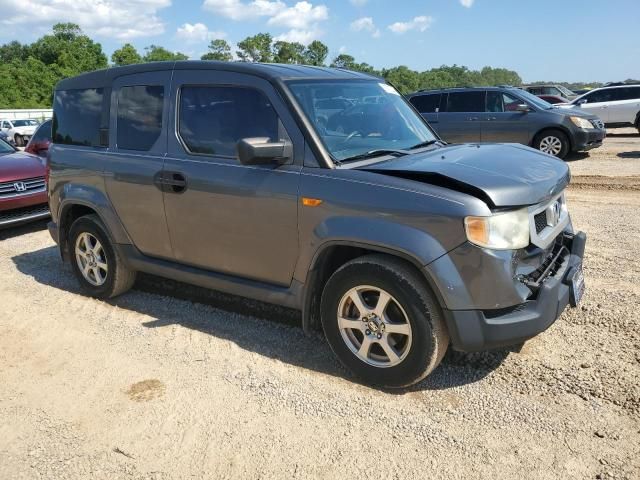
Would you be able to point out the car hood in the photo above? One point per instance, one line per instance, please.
(19, 165)
(502, 175)
(25, 130)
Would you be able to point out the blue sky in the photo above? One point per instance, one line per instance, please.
(566, 40)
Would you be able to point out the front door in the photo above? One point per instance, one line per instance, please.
(224, 216)
(137, 146)
(597, 103)
(502, 122)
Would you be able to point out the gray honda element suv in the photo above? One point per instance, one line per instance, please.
(317, 189)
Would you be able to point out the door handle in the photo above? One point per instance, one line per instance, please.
(170, 182)
(491, 118)
(473, 119)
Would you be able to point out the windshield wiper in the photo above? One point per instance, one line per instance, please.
(376, 153)
(426, 144)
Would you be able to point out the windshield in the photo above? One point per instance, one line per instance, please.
(5, 147)
(355, 118)
(536, 101)
(566, 93)
(25, 123)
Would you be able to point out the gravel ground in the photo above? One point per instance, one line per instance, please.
(170, 381)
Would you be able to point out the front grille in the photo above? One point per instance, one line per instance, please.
(22, 187)
(541, 221)
(25, 213)
(597, 123)
(551, 264)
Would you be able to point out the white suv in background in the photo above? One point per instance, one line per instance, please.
(20, 131)
(617, 106)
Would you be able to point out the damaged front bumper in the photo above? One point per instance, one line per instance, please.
(557, 283)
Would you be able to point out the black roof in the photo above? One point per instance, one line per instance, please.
(268, 71)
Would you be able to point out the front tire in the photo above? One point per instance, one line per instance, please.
(18, 140)
(553, 142)
(98, 267)
(383, 322)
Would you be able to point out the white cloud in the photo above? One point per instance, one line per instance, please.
(467, 3)
(302, 19)
(301, 36)
(300, 16)
(365, 24)
(197, 32)
(239, 10)
(418, 23)
(359, 3)
(121, 19)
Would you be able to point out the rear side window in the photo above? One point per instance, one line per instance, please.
(76, 116)
(599, 96)
(139, 116)
(627, 93)
(466, 101)
(213, 119)
(426, 103)
(43, 133)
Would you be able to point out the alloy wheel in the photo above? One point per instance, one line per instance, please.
(551, 145)
(374, 326)
(91, 259)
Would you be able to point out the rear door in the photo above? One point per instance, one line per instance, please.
(625, 104)
(138, 144)
(502, 122)
(460, 122)
(227, 217)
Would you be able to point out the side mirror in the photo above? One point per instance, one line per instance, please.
(582, 101)
(260, 151)
(523, 107)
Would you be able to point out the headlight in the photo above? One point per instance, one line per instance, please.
(581, 122)
(502, 231)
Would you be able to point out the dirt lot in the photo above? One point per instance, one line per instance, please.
(174, 382)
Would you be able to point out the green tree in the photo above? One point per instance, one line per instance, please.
(13, 51)
(69, 51)
(288, 52)
(126, 55)
(256, 48)
(316, 53)
(343, 61)
(218, 50)
(403, 78)
(156, 53)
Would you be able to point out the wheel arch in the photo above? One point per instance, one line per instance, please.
(560, 128)
(331, 256)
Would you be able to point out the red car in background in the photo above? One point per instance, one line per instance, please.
(23, 194)
(553, 99)
(39, 143)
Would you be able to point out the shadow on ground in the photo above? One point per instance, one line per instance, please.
(635, 154)
(242, 321)
(574, 156)
(10, 232)
(622, 135)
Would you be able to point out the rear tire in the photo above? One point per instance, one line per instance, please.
(395, 345)
(552, 142)
(99, 268)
